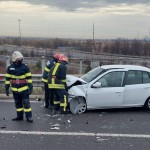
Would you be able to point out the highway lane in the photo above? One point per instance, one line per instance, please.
(101, 129)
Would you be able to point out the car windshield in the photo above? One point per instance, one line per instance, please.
(88, 77)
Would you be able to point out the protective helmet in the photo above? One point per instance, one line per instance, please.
(63, 58)
(56, 55)
(17, 56)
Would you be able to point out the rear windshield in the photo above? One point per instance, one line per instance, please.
(91, 75)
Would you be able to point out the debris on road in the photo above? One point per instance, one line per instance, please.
(3, 126)
(87, 122)
(48, 115)
(69, 121)
(100, 139)
(131, 120)
(4, 118)
(38, 99)
(26, 130)
(55, 128)
(55, 125)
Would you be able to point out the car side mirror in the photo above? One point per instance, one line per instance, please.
(97, 85)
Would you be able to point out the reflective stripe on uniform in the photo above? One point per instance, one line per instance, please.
(53, 85)
(28, 74)
(46, 69)
(18, 77)
(19, 89)
(8, 75)
(64, 105)
(53, 81)
(29, 80)
(55, 69)
(63, 81)
(56, 86)
(44, 80)
(7, 82)
(56, 102)
(19, 109)
(27, 110)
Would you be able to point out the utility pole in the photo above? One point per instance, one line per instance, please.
(93, 42)
(149, 33)
(19, 20)
(138, 35)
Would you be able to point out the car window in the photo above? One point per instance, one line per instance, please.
(91, 75)
(146, 77)
(112, 79)
(134, 77)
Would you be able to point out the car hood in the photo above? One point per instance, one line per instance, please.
(73, 81)
(76, 87)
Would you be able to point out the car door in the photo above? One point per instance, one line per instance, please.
(137, 88)
(110, 94)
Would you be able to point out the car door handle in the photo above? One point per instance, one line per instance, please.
(118, 92)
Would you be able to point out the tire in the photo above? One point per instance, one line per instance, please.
(78, 105)
(147, 104)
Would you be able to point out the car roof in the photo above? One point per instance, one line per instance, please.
(127, 67)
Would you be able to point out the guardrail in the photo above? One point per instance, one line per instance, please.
(36, 78)
(37, 83)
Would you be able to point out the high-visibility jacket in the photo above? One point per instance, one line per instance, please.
(19, 77)
(57, 76)
(47, 68)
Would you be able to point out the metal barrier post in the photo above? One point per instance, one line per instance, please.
(7, 61)
(43, 63)
(80, 66)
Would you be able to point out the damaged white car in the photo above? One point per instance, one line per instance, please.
(110, 86)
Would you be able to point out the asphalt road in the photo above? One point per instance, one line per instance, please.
(117, 129)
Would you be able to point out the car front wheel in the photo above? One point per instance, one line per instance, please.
(78, 105)
(147, 104)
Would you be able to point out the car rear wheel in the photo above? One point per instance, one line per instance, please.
(147, 104)
(78, 105)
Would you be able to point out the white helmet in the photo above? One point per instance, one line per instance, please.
(17, 56)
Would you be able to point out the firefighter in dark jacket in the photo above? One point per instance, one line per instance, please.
(19, 77)
(48, 94)
(57, 83)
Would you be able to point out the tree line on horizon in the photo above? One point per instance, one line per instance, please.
(133, 47)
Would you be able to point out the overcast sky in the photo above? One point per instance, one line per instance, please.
(75, 18)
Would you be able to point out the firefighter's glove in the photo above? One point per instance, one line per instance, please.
(30, 89)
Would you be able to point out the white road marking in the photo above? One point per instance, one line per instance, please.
(76, 134)
(12, 101)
